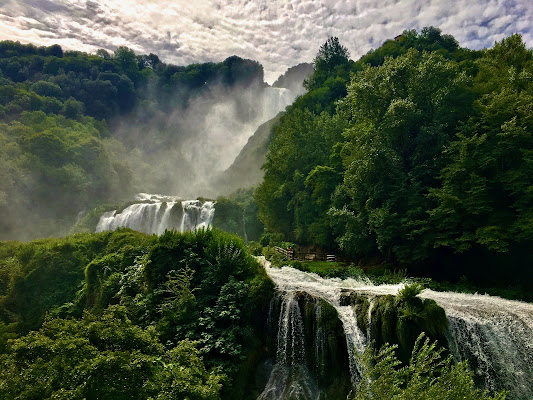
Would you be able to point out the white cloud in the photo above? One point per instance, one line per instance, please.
(277, 33)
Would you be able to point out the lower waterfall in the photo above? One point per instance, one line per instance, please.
(290, 377)
(493, 334)
(153, 213)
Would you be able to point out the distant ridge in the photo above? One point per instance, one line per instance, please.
(294, 77)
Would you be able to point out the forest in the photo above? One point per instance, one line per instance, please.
(418, 154)
(416, 159)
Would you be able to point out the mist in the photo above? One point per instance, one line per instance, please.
(182, 151)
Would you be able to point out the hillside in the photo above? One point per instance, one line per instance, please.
(80, 130)
(417, 155)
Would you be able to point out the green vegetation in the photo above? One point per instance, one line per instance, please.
(106, 357)
(427, 376)
(52, 167)
(418, 156)
(398, 319)
(238, 213)
(420, 159)
(136, 316)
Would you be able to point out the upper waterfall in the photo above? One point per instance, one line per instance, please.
(275, 100)
(153, 213)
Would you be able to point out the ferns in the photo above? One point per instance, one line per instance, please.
(427, 376)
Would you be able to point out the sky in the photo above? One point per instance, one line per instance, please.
(277, 33)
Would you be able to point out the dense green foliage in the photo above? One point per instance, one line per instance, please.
(104, 357)
(136, 316)
(427, 376)
(422, 159)
(51, 167)
(419, 155)
(102, 85)
(238, 213)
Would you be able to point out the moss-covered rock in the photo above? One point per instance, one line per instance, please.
(397, 320)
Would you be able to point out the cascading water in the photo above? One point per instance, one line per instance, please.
(493, 334)
(290, 377)
(156, 213)
(289, 279)
(275, 100)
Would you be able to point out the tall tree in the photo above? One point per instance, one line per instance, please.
(331, 57)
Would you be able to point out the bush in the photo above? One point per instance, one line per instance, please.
(410, 291)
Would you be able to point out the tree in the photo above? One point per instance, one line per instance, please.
(45, 88)
(104, 357)
(486, 193)
(103, 53)
(55, 50)
(330, 57)
(404, 113)
(127, 62)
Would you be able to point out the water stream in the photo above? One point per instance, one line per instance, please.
(493, 334)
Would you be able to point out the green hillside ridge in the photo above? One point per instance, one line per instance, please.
(417, 155)
(133, 315)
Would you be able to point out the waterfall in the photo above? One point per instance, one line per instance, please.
(275, 100)
(493, 334)
(289, 279)
(156, 213)
(290, 378)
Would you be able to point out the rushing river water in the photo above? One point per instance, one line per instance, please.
(493, 334)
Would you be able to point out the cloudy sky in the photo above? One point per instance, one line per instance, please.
(277, 33)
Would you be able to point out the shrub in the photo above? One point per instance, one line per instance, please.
(410, 291)
(427, 376)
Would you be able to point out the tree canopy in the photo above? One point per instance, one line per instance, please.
(420, 157)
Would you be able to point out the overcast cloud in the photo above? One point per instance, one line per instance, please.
(277, 33)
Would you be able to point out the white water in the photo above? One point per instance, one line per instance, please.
(275, 100)
(156, 213)
(292, 280)
(220, 128)
(290, 378)
(495, 335)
